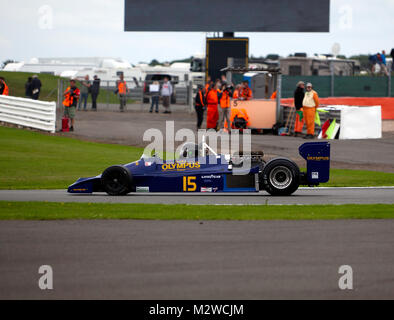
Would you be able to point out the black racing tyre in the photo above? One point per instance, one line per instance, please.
(280, 177)
(117, 181)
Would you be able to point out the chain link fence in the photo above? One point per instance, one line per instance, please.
(342, 86)
(184, 91)
(139, 92)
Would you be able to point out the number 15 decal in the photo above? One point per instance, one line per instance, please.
(189, 184)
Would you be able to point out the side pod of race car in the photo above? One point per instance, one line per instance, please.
(200, 169)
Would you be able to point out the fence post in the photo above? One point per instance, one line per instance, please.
(190, 95)
(107, 94)
(278, 97)
(332, 79)
(229, 75)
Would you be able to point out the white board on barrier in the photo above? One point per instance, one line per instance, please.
(154, 88)
(361, 123)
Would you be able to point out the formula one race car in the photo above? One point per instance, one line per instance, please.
(200, 169)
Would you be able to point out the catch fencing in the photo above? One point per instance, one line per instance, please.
(28, 113)
(138, 92)
(342, 86)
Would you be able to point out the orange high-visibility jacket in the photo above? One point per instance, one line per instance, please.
(212, 97)
(122, 87)
(225, 99)
(241, 113)
(274, 94)
(69, 98)
(5, 91)
(247, 93)
(236, 94)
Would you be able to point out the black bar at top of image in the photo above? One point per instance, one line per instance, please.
(228, 15)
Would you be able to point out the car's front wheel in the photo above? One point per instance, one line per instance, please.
(117, 181)
(280, 177)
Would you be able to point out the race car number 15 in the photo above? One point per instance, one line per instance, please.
(189, 184)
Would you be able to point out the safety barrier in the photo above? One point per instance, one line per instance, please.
(28, 113)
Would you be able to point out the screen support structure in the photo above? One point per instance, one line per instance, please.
(228, 34)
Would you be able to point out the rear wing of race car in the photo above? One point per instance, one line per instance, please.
(317, 156)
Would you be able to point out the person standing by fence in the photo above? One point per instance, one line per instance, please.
(154, 90)
(71, 96)
(166, 92)
(225, 106)
(122, 91)
(85, 87)
(310, 104)
(36, 87)
(95, 90)
(237, 91)
(299, 94)
(200, 105)
(213, 98)
(382, 63)
(28, 89)
(3, 87)
(247, 93)
(208, 83)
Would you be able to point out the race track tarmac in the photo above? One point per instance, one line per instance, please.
(113, 259)
(384, 195)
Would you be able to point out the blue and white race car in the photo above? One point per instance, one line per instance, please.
(200, 169)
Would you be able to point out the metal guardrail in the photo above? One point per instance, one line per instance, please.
(28, 113)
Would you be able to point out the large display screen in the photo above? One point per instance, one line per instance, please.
(220, 49)
(227, 15)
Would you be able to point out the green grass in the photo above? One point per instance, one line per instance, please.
(360, 178)
(16, 83)
(55, 211)
(31, 160)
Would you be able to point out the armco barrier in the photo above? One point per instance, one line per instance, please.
(29, 113)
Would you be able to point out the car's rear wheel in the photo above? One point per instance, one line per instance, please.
(117, 181)
(280, 177)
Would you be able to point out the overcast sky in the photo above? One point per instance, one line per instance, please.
(87, 28)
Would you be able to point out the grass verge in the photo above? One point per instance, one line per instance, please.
(60, 211)
(31, 160)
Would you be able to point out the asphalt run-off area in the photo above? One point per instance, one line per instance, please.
(139, 259)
